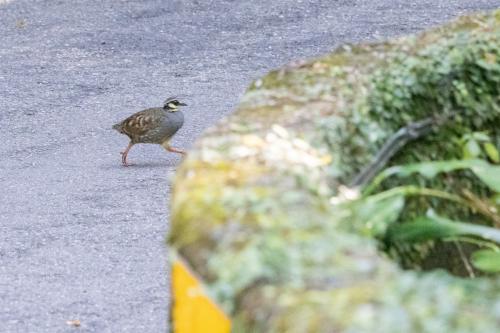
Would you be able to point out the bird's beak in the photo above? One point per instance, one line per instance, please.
(182, 104)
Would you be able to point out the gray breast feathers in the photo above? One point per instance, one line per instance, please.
(172, 122)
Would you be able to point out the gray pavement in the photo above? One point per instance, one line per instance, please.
(81, 237)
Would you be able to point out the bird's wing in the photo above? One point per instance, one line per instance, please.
(140, 123)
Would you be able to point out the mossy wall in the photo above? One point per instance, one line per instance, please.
(251, 207)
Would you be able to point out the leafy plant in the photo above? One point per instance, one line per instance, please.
(487, 260)
(479, 145)
(380, 216)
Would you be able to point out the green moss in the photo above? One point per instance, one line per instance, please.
(458, 76)
(251, 209)
(203, 195)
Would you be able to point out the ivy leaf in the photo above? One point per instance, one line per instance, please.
(481, 136)
(491, 152)
(486, 260)
(471, 149)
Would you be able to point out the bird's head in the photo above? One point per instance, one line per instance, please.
(172, 104)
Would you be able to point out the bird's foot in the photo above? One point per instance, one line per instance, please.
(124, 160)
(175, 150)
(125, 153)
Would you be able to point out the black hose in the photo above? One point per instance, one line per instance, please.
(395, 143)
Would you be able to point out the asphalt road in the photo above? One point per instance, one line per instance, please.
(81, 237)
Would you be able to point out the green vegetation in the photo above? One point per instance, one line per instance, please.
(432, 226)
(261, 213)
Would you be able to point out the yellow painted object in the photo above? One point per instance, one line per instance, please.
(193, 311)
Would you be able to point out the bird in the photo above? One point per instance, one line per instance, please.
(155, 125)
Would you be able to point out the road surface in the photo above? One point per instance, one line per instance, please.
(82, 237)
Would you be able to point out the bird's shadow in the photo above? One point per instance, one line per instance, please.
(143, 165)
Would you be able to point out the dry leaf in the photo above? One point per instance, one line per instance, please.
(74, 322)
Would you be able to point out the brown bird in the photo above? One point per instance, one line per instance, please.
(154, 125)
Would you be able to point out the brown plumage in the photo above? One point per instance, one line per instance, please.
(154, 125)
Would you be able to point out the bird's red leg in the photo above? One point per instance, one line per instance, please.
(175, 150)
(125, 153)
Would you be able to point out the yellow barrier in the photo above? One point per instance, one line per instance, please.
(193, 311)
